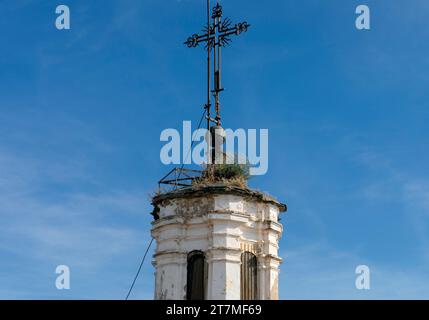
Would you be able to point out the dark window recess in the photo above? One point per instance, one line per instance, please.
(249, 276)
(197, 275)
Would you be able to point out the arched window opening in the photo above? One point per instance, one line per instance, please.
(249, 274)
(197, 274)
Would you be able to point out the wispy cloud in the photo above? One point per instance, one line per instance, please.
(320, 271)
(50, 215)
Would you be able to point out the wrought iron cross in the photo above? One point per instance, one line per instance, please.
(216, 34)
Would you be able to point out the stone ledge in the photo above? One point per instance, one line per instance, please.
(217, 189)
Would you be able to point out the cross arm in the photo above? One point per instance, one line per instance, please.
(235, 30)
(194, 40)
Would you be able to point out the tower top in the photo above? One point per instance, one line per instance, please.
(217, 33)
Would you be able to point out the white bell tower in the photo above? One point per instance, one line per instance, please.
(216, 242)
(216, 239)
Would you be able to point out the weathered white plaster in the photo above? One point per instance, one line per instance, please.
(222, 225)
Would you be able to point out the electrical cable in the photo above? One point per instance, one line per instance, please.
(138, 271)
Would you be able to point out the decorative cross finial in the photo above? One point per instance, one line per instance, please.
(216, 34)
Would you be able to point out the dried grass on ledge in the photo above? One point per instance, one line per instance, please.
(240, 182)
(227, 174)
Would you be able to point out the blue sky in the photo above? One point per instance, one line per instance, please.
(81, 112)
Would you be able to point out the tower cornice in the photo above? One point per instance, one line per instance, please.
(217, 189)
